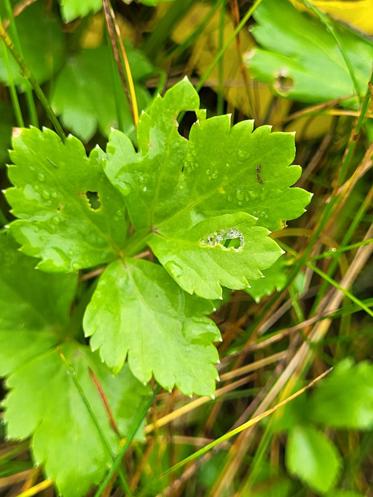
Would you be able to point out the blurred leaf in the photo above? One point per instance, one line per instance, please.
(204, 52)
(6, 124)
(298, 51)
(42, 42)
(293, 414)
(153, 3)
(84, 91)
(71, 9)
(313, 458)
(345, 398)
(344, 493)
(356, 13)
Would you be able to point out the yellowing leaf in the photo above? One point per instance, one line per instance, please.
(356, 13)
(205, 50)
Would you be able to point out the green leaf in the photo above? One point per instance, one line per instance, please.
(138, 311)
(83, 92)
(30, 299)
(6, 124)
(153, 3)
(42, 369)
(312, 457)
(215, 177)
(345, 398)
(220, 169)
(41, 43)
(71, 9)
(45, 403)
(344, 493)
(227, 250)
(69, 214)
(298, 51)
(274, 279)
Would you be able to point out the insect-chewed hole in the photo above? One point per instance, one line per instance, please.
(229, 239)
(93, 200)
(283, 83)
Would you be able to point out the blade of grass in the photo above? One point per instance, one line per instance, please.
(220, 103)
(119, 458)
(29, 96)
(228, 43)
(242, 427)
(35, 85)
(121, 58)
(70, 368)
(345, 292)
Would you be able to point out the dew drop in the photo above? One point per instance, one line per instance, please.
(228, 239)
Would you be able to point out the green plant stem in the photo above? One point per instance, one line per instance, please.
(177, 51)
(71, 370)
(154, 44)
(35, 85)
(345, 292)
(242, 427)
(12, 90)
(228, 43)
(342, 249)
(29, 96)
(346, 239)
(220, 104)
(356, 132)
(119, 458)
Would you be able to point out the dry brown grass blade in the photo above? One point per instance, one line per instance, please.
(296, 365)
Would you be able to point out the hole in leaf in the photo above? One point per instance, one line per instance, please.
(186, 121)
(93, 200)
(228, 239)
(283, 83)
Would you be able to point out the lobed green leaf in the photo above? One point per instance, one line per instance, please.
(138, 311)
(69, 215)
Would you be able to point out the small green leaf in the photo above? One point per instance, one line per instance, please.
(345, 398)
(227, 250)
(54, 185)
(313, 458)
(83, 92)
(71, 9)
(295, 65)
(42, 44)
(138, 311)
(274, 279)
